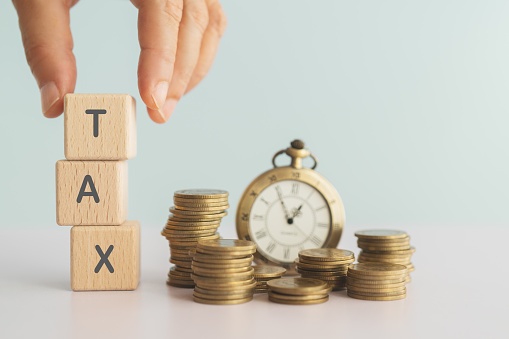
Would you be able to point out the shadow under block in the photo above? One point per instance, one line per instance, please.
(91, 192)
(105, 258)
(99, 126)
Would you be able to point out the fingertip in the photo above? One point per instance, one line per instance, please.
(163, 115)
(156, 116)
(51, 100)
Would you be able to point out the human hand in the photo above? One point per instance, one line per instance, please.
(178, 40)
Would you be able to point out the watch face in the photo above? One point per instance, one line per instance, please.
(287, 217)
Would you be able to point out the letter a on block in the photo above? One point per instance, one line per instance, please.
(93, 192)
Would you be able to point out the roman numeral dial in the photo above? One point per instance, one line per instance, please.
(288, 216)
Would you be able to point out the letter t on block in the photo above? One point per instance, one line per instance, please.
(99, 126)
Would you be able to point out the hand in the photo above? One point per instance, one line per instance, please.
(178, 40)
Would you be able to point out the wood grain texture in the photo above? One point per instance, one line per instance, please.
(124, 257)
(110, 180)
(116, 139)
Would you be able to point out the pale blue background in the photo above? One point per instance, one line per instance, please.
(404, 103)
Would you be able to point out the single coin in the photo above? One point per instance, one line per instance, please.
(381, 234)
(398, 252)
(376, 278)
(338, 273)
(384, 249)
(176, 284)
(223, 297)
(220, 209)
(232, 277)
(190, 234)
(242, 260)
(200, 204)
(227, 245)
(174, 271)
(223, 272)
(199, 200)
(377, 269)
(328, 266)
(181, 263)
(300, 302)
(192, 228)
(268, 271)
(297, 286)
(380, 294)
(261, 290)
(362, 297)
(193, 223)
(236, 254)
(190, 218)
(297, 297)
(236, 290)
(364, 282)
(328, 278)
(201, 193)
(367, 291)
(220, 266)
(325, 254)
(194, 213)
(222, 302)
(387, 255)
(237, 286)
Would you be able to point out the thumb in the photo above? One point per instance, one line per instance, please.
(48, 46)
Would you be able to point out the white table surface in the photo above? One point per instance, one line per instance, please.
(459, 290)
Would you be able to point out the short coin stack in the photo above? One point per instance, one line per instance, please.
(386, 246)
(265, 273)
(326, 264)
(196, 216)
(222, 271)
(298, 291)
(376, 281)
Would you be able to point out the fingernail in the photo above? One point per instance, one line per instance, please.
(159, 94)
(49, 95)
(168, 108)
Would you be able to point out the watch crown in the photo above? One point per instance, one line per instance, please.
(298, 144)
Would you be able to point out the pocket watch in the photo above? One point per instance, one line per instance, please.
(289, 209)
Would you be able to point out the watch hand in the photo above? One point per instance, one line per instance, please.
(279, 195)
(298, 228)
(296, 212)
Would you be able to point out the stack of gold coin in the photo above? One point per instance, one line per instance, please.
(376, 281)
(222, 271)
(298, 291)
(196, 216)
(326, 264)
(388, 246)
(265, 273)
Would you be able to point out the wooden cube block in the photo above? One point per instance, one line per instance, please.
(105, 257)
(99, 126)
(91, 192)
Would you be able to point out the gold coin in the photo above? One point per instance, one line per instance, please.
(381, 234)
(325, 254)
(193, 223)
(381, 294)
(300, 302)
(199, 200)
(226, 278)
(200, 204)
(329, 266)
(257, 291)
(362, 297)
(297, 297)
(238, 254)
(242, 260)
(392, 252)
(267, 271)
(194, 213)
(377, 269)
(181, 263)
(377, 291)
(381, 281)
(190, 234)
(322, 273)
(376, 278)
(174, 271)
(237, 286)
(329, 278)
(201, 193)
(219, 266)
(297, 286)
(383, 249)
(204, 217)
(227, 245)
(222, 302)
(235, 290)
(176, 284)
(219, 209)
(223, 297)
(223, 272)
(386, 256)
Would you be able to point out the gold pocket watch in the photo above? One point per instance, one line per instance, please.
(289, 209)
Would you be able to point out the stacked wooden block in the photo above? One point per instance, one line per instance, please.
(100, 135)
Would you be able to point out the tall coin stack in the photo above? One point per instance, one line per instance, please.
(222, 271)
(376, 281)
(326, 264)
(196, 216)
(298, 291)
(388, 246)
(265, 273)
